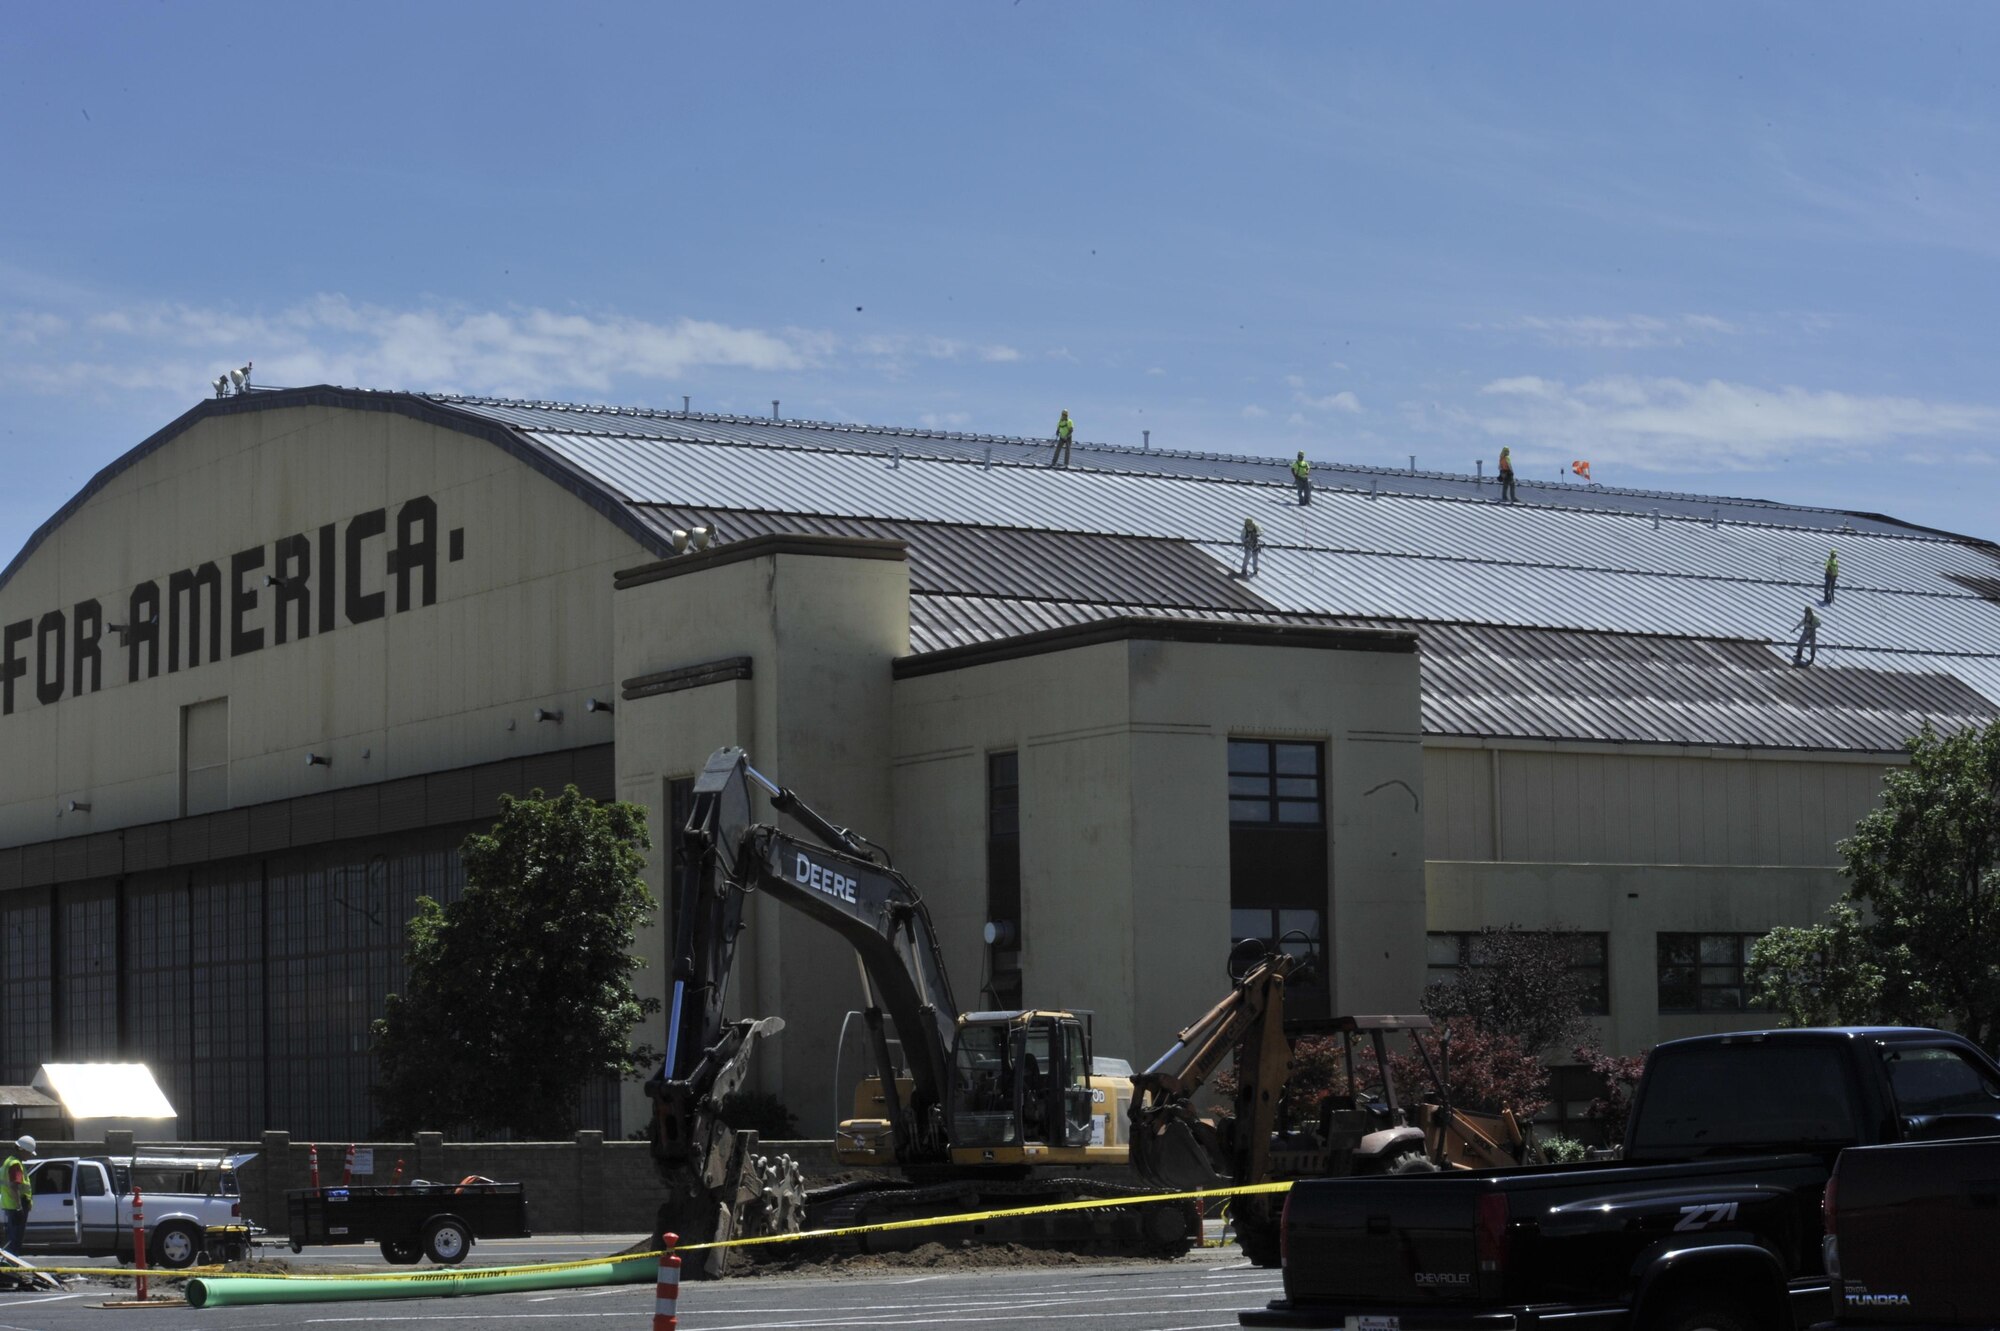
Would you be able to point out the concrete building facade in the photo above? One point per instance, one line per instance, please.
(266, 671)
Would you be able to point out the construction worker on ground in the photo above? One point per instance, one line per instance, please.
(1832, 574)
(1507, 494)
(17, 1194)
(1302, 478)
(1064, 429)
(1807, 650)
(1253, 541)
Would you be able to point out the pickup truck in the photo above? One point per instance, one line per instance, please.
(83, 1205)
(1913, 1236)
(1709, 1221)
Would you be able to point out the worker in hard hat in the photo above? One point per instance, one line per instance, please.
(1832, 574)
(1807, 649)
(1302, 478)
(1065, 428)
(1253, 542)
(1507, 493)
(17, 1194)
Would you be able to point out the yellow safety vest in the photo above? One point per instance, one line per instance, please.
(1300, 467)
(1064, 428)
(14, 1198)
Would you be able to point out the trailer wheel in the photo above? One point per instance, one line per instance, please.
(447, 1239)
(175, 1245)
(399, 1253)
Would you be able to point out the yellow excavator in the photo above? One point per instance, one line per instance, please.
(1366, 1129)
(982, 1111)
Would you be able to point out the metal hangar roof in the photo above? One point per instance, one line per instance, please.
(1583, 612)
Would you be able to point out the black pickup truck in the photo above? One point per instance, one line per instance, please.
(1913, 1236)
(1710, 1220)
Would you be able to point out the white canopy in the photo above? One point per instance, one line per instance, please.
(104, 1090)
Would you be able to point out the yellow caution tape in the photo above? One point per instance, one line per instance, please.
(448, 1273)
(1004, 1213)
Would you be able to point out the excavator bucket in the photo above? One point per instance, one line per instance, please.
(1177, 1149)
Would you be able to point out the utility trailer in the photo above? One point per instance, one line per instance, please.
(412, 1221)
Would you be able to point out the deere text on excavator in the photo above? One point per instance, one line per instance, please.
(984, 1111)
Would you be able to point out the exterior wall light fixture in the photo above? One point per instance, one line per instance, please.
(596, 705)
(544, 714)
(318, 760)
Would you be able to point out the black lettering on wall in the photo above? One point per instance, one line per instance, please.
(362, 526)
(242, 600)
(83, 647)
(295, 563)
(51, 657)
(142, 618)
(327, 600)
(185, 588)
(412, 555)
(12, 667)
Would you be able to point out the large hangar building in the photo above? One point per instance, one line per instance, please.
(265, 672)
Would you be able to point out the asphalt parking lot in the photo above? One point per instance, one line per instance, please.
(1205, 1289)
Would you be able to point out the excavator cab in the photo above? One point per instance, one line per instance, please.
(1022, 1090)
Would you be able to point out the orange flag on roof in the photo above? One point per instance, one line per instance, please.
(1581, 468)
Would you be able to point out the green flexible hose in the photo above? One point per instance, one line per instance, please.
(230, 1291)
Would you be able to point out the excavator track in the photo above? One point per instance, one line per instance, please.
(1152, 1229)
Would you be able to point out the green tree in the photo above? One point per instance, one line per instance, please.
(1819, 974)
(1927, 865)
(1916, 939)
(520, 992)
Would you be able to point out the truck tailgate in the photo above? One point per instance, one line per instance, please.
(1405, 1241)
(1919, 1233)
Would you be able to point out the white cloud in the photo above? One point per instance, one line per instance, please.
(944, 420)
(429, 346)
(1678, 425)
(1341, 401)
(1622, 331)
(1254, 412)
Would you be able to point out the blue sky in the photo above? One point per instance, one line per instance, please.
(1730, 248)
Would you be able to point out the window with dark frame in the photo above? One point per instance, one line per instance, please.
(1276, 782)
(1706, 973)
(1278, 867)
(1447, 952)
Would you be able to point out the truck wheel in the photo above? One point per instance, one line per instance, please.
(1704, 1313)
(398, 1253)
(175, 1245)
(447, 1239)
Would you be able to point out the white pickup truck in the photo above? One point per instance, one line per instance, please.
(83, 1205)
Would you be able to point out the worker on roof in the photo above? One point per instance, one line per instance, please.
(1064, 429)
(1507, 494)
(1832, 574)
(1253, 541)
(1302, 477)
(17, 1193)
(1807, 650)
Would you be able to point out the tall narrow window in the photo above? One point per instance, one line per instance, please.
(205, 756)
(1003, 877)
(1278, 860)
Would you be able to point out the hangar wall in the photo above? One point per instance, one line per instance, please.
(214, 903)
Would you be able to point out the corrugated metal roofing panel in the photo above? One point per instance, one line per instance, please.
(1003, 561)
(1593, 572)
(1611, 688)
(645, 423)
